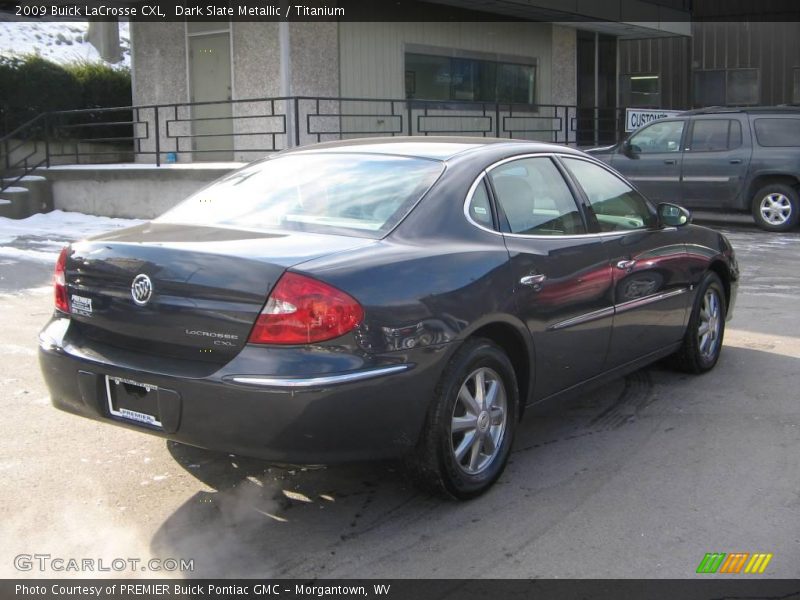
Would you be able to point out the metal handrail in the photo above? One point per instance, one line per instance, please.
(278, 122)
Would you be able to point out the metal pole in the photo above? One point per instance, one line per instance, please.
(596, 88)
(47, 139)
(158, 138)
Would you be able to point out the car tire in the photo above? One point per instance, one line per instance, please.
(776, 207)
(702, 342)
(468, 433)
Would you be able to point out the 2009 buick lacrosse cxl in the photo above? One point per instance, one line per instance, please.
(383, 298)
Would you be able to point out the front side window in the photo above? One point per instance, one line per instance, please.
(535, 198)
(661, 136)
(347, 193)
(714, 135)
(616, 205)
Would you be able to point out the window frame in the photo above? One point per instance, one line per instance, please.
(681, 142)
(578, 195)
(726, 76)
(690, 134)
(452, 54)
(590, 213)
(627, 78)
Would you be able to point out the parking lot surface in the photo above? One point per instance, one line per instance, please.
(639, 478)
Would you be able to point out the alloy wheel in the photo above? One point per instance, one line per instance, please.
(710, 324)
(775, 208)
(479, 419)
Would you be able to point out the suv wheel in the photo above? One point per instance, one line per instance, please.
(776, 207)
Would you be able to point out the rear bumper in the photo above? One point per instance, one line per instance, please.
(374, 410)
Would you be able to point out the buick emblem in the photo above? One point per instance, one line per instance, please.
(141, 289)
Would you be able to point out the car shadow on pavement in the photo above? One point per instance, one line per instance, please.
(250, 519)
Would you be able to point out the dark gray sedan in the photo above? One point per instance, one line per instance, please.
(385, 298)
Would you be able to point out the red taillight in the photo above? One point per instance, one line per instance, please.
(301, 310)
(60, 281)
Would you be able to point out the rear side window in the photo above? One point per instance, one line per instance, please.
(480, 210)
(535, 198)
(714, 135)
(777, 132)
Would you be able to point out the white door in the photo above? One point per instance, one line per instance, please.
(210, 80)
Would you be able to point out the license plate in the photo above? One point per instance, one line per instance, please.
(132, 400)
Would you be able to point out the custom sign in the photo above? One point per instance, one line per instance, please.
(636, 117)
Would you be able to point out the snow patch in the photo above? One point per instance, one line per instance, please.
(62, 43)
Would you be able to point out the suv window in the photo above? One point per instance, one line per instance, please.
(615, 204)
(710, 135)
(664, 136)
(535, 198)
(777, 132)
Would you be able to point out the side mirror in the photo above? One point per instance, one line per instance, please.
(628, 149)
(672, 215)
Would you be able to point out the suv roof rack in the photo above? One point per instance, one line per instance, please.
(714, 110)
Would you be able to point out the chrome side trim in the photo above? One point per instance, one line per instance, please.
(620, 308)
(631, 304)
(321, 381)
(708, 179)
(592, 316)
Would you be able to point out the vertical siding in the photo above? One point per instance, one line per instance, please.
(772, 48)
(667, 57)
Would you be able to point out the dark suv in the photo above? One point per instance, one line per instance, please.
(743, 159)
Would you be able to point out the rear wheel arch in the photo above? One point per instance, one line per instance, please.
(764, 180)
(513, 343)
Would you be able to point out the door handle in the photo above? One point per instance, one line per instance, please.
(532, 280)
(736, 161)
(669, 161)
(626, 265)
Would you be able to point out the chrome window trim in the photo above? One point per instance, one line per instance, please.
(581, 236)
(320, 381)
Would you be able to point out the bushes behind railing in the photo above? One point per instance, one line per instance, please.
(31, 85)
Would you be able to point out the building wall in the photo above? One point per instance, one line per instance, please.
(372, 65)
(667, 57)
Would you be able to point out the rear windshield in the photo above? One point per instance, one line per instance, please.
(350, 194)
(778, 132)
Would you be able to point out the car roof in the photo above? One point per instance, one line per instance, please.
(716, 110)
(436, 148)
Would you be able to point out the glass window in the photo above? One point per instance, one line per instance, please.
(642, 91)
(733, 87)
(615, 204)
(430, 77)
(709, 135)
(535, 198)
(661, 136)
(353, 194)
(480, 210)
(709, 88)
(778, 132)
(742, 86)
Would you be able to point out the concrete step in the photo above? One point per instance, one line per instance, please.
(41, 193)
(16, 203)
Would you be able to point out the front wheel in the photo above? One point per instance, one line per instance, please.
(471, 423)
(702, 342)
(776, 207)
